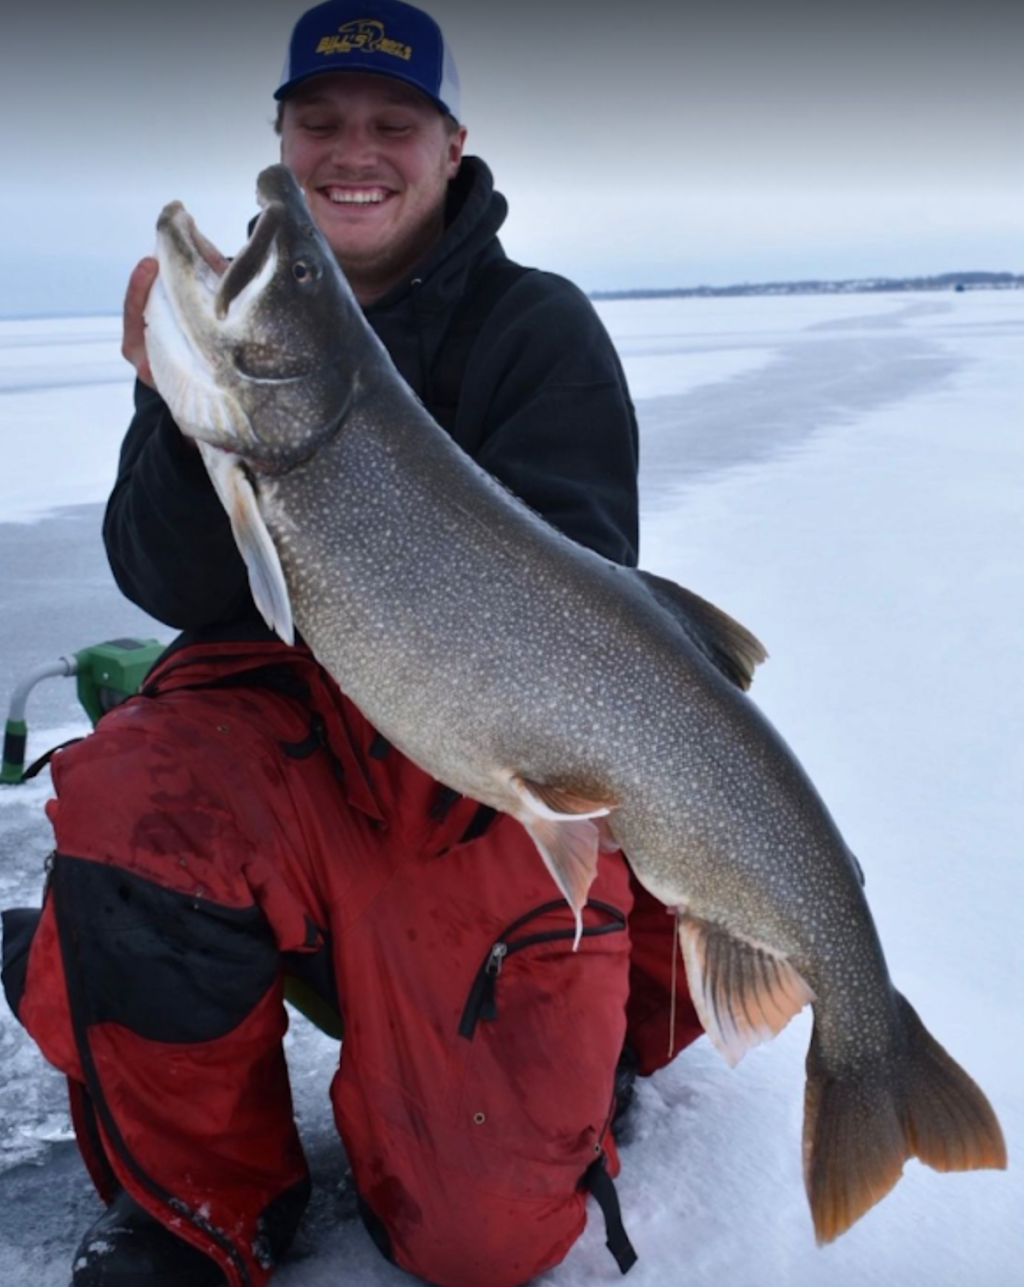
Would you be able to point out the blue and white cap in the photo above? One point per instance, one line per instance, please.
(386, 37)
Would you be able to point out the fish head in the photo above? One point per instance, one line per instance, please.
(250, 354)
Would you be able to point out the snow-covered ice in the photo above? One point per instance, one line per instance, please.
(843, 474)
(65, 400)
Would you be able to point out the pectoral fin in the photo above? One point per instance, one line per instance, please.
(744, 993)
(266, 576)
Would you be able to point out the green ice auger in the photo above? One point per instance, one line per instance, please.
(106, 674)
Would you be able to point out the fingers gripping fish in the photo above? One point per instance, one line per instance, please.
(595, 704)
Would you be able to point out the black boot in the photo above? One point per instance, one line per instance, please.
(625, 1089)
(127, 1247)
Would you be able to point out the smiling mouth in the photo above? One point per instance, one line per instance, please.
(356, 196)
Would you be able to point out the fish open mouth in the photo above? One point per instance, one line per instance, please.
(225, 286)
(180, 245)
(211, 294)
(241, 349)
(207, 251)
(243, 278)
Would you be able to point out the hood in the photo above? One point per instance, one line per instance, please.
(474, 213)
(411, 319)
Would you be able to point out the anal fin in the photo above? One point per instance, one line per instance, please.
(744, 993)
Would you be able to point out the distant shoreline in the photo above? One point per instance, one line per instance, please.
(847, 286)
(850, 286)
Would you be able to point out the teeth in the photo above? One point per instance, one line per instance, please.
(355, 198)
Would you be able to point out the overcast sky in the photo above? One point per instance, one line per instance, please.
(639, 143)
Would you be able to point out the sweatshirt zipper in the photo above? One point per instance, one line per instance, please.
(482, 1000)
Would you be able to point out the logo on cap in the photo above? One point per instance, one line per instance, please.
(365, 36)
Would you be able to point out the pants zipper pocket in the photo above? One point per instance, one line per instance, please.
(482, 1000)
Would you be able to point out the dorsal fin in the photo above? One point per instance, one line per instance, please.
(730, 647)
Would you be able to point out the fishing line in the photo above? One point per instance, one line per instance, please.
(672, 986)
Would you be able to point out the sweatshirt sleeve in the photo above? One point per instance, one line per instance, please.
(545, 408)
(166, 533)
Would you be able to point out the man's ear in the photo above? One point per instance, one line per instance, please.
(456, 146)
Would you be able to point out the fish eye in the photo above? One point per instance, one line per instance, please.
(302, 271)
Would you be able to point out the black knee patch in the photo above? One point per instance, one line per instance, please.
(19, 927)
(167, 966)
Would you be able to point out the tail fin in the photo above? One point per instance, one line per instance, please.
(951, 1124)
(861, 1126)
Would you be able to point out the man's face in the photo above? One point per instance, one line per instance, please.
(374, 158)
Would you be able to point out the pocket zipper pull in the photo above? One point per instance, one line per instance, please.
(488, 1004)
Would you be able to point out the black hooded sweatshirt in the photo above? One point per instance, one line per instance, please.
(543, 407)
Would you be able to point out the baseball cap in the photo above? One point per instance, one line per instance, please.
(382, 36)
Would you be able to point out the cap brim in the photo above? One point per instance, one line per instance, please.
(283, 91)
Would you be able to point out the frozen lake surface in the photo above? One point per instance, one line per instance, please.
(842, 474)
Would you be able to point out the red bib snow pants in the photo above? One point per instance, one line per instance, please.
(240, 820)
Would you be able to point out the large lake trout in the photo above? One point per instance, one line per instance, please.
(595, 704)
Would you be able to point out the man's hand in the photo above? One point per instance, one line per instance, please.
(133, 343)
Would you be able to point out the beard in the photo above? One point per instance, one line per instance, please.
(373, 269)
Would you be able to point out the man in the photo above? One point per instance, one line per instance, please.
(241, 822)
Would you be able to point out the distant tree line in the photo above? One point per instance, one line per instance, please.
(852, 286)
